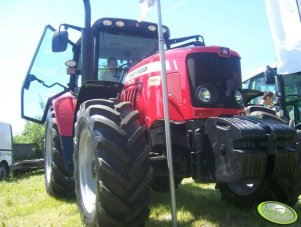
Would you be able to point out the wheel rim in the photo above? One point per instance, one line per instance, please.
(244, 188)
(48, 155)
(86, 167)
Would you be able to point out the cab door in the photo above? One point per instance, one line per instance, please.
(46, 78)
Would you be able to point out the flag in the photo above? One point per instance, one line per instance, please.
(145, 5)
(285, 25)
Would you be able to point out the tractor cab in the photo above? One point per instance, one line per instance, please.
(127, 41)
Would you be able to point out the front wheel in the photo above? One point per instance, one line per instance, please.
(112, 172)
(58, 180)
(243, 193)
(4, 172)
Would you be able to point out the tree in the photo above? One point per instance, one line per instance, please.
(32, 133)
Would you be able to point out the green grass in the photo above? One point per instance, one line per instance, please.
(24, 202)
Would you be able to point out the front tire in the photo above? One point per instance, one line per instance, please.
(112, 172)
(244, 193)
(58, 181)
(4, 171)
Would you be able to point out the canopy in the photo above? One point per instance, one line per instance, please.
(285, 24)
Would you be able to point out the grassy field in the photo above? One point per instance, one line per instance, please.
(24, 202)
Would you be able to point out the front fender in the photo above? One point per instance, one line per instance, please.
(64, 107)
(98, 90)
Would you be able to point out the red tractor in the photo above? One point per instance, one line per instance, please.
(105, 140)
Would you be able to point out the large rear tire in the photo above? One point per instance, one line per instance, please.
(59, 182)
(112, 171)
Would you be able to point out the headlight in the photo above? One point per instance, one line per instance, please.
(207, 94)
(238, 97)
(203, 94)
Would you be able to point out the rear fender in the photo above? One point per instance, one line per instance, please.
(64, 107)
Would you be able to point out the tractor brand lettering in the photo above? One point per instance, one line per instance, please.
(148, 68)
(277, 212)
(142, 70)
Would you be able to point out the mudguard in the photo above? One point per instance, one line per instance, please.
(64, 107)
(246, 148)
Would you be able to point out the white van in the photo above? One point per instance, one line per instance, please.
(6, 151)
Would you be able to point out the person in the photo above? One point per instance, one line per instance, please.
(267, 99)
(112, 73)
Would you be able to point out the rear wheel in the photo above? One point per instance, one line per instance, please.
(112, 172)
(58, 181)
(4, 172)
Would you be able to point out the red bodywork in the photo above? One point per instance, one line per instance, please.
(64, 107)
(143, 88)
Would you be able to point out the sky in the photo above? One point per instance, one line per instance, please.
(241, 25)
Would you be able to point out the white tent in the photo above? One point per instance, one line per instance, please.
(285, 23)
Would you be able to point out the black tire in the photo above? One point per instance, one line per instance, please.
(58, 181)
(161, 183)
(111, 168)
(4, 171)
(244, 193)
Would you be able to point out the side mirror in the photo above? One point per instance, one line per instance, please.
(270, 75)
(59, 41)
(29, 78)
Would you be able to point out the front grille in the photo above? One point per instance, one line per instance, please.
(223, 73)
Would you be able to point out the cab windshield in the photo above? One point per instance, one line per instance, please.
(116, 53)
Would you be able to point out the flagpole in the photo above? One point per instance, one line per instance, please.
(166, 119)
